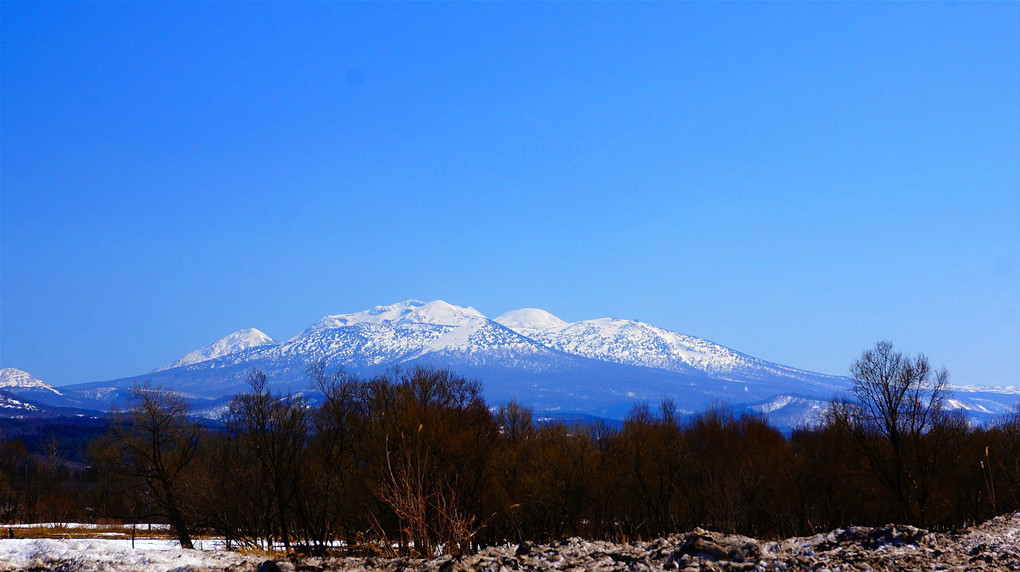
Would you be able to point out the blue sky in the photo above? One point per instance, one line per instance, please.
(793, 180)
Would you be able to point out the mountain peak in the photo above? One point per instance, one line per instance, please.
(15, 378)
(531, 320)
(435, 312)
(443, 314)
(387, 313)
(235, 342)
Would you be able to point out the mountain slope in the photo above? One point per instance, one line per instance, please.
(24, 395)
(637, 343)
(511, 366)
(17, 380)
(599, 367)
(235, 342)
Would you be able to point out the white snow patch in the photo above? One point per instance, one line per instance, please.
(148, 555)
(1004, 389)
(775, 404)
(83, 526)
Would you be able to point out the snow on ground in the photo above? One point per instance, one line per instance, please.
(106, 555)
(86, 526)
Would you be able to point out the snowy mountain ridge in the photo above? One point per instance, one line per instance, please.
(637, 343)
(414, 330)
(436, 312)
(600, 367)
(392, 341)
(14, 378)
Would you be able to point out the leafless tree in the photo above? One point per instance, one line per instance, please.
(274, 430)
(335, 459)
(1008, 459)
(898, 417)
(160, 442)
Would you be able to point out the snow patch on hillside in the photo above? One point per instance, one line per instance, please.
(11, 406)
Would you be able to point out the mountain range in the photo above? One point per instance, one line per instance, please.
(600, 367)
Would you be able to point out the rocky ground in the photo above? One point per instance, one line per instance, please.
(994, 545)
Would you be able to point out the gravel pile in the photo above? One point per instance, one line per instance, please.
(994, 545)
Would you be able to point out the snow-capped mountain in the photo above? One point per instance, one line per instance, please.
(235, 342)
(15, 379)
(24, 395)
(600, 367)
(407, 332)
(532, 322)
(637, 343)
(596, 367)
(437, 313)
(413, 332)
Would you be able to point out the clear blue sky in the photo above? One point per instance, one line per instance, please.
(793, 180)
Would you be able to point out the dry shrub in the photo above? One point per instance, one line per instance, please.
(426, 506)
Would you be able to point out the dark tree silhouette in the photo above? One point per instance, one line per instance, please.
(899, 420)
(273, 432)
(160, 442)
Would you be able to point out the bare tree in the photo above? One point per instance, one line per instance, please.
(337, 483)
(274, 430)
(899, 419)
(1008, 458)
(160, 442)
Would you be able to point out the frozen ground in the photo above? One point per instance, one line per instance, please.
(994, 545)
(102, 554)
(80, 526)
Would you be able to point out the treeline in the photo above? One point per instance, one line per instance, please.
(44, 468)
(416, 459)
